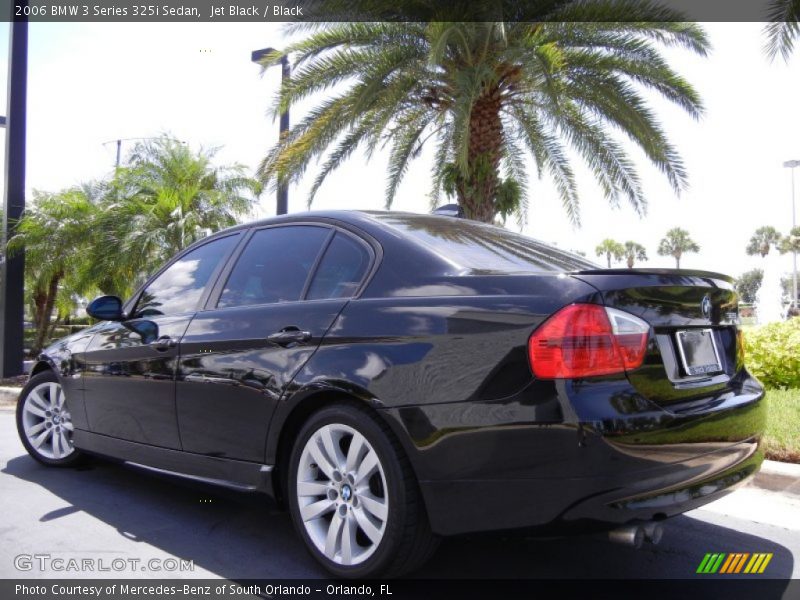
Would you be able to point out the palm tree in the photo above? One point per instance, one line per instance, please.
(610, 249)
(55, 231)
(487, 93)
(762, 240)
(634, 252)
(782, 28)
(676, 243)
(165, 198)
(791, 242)
(748, 283)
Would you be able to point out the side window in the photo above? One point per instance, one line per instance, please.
(274, 266)
(178, 289)
(341, 269)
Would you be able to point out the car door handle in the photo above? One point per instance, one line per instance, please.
(289, 335)
(163, 343)
(193, 378)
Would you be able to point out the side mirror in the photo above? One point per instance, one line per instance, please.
(106, 308)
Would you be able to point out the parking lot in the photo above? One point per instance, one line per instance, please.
(107, 512)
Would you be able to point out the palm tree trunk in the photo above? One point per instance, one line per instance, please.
(477, 194)
(52, 330)
(630, 262)
(39, 300)
(43, 326)
(677, 262)
(608, 258)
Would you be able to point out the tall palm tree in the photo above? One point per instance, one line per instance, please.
(634, 252)
(611, 249)
(791, 242)
(762, 240)
(56, 232)
(486, 94)
(166, 197)
(783, 28)
(676, 243)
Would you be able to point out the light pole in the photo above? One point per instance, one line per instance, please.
(793, 164)
(286, 72)
(12, 268)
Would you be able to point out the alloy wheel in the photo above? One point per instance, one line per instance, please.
(46, 421)
(342, 494)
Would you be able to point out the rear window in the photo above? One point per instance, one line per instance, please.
(479, 247)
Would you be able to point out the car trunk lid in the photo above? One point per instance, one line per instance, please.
(694, 317)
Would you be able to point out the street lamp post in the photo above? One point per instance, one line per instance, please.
(286, 72)
(793, 164)
(12, 268)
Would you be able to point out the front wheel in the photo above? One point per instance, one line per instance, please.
(44, 422)
(353, 496)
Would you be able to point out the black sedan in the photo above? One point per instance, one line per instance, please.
(393, 378)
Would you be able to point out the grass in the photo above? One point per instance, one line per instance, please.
(782, 437)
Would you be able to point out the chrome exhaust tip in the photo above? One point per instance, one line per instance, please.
(629, 535)
(635, 535)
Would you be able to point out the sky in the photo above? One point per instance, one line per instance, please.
(91, 84)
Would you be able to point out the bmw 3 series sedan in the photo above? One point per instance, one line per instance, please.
(394, 378)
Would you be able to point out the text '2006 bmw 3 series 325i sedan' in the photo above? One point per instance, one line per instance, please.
(394, 378)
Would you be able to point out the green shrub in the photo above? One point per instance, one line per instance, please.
(773, 353)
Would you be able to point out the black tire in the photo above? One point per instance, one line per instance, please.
(71, 458)
(407, 540)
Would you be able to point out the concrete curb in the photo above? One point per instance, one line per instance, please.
(778, 477)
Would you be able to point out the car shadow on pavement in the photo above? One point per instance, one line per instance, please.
(242, 536)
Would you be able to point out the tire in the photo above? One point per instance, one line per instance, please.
(44, 423)
(368, 499)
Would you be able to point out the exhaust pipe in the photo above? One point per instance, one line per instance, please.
(634, 535)
(629, 535)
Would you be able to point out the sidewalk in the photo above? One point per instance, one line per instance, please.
(8, 396)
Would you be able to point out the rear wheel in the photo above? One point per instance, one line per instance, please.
(353, 497)
(44, 422)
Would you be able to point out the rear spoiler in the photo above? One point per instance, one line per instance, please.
(665, 272)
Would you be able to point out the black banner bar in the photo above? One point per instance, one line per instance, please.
(253, 11)
(730, 588)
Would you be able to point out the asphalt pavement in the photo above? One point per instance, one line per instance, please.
(115, 516)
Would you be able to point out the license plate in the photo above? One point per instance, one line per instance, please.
(698, 351)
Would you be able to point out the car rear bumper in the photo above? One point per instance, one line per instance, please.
(493, 466)
(583, 504)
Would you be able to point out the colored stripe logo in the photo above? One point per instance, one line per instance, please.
(734, 562)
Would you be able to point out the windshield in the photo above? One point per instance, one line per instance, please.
(478, 247)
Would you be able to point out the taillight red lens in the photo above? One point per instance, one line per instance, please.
(582, 340)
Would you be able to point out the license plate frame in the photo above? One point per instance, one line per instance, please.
(696, 357)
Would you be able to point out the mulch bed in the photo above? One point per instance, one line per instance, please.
(783, 455)
(17, 381)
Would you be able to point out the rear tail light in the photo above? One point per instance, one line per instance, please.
(582, 340)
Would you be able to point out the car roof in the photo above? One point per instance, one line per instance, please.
(354, 217)
(368, 221)
(382, 226)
